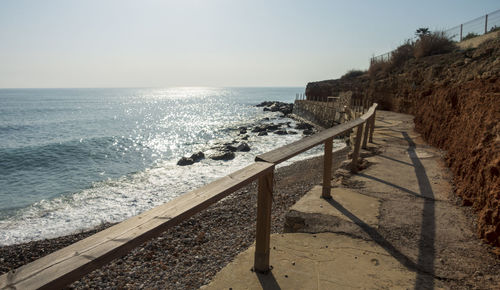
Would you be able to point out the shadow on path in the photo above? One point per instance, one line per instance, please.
(424, 267)
(268, 281)
(426, 251)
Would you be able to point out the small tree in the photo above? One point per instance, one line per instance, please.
(422, 31)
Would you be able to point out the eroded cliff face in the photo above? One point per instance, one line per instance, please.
(455, 99)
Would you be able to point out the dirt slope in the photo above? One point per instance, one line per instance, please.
(455, 99)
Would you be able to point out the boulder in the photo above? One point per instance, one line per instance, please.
(292, 132)
(308, 132)
(303, 126)
(243, 147)
(243, 131)
(197, 156)
(262, 133)
(230, 148)
(224, 155)
(281, 132)
(272, 127)
(258, 129)
(185, 161)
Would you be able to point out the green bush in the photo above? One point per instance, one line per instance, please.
(433, 43)
(353, 73)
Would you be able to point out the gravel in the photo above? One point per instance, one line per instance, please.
(188, 255)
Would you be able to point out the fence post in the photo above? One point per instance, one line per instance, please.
(365, 132)
(461, 29)
(486, 24)
(327, 169)
(372, 127)
(355, 153)
(263, 228)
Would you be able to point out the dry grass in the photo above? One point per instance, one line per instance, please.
(433, 43)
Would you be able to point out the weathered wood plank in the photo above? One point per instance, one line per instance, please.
(327, 169)
(263, 227)
(62, 267)
(355, 153)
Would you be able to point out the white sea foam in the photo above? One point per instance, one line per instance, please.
(116, 156)
(115, 200)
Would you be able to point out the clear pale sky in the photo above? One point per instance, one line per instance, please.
(207, 43)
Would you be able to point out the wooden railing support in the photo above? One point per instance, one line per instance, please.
(368, 124)
(327, 169)
(355, 153)
(372, 127)
(263, 229)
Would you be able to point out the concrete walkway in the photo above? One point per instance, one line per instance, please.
(393, 225)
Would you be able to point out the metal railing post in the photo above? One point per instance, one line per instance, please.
(461, 30)
(263, 228)
(355, 153)
(327, 169)
(486, 24)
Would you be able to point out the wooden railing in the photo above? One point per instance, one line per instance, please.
(69, 264)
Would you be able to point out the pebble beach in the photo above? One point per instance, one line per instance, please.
(188, 255)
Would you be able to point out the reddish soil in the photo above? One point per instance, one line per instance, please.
(455, 99)
(463, 120)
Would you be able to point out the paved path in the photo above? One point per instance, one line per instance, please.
(393, 225)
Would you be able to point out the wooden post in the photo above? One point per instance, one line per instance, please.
(486, 24)
(355, 153)
(365, 132)
(372, 127)
(327, 169)
(461, 30)
(263, 228)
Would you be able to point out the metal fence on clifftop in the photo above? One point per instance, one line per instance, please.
(479, 26)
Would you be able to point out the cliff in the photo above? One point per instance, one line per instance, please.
(455, 98)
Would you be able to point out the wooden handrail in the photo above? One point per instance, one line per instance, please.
(69, 264)
(286, 152)
(62, 267)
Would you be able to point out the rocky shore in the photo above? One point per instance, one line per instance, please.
(188, 255)
(228, 150)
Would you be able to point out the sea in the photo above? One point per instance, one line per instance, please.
(73, 159)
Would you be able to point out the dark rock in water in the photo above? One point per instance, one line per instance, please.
(265, 119)
(262, 133)
(258, 129)
(224, 155)
(292, 132)
(272, 127)
(230, 148)
(274, 108)
(303, 126)
(243, 147)
(281, 132)
(284, 108)
(265, 104)
(244, 137)
(243, 131)
(197, 156)
(308, 132)
(185, 161)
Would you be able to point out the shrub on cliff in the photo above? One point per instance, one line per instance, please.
(433, 43)
(402, 54)
(353, 73)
